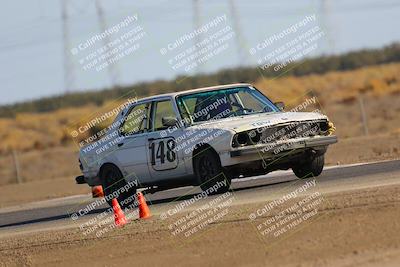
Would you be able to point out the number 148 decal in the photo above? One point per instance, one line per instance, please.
(162, 154)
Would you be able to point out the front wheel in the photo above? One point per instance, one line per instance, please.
(211, 176)
(310, 168)
(115, 186)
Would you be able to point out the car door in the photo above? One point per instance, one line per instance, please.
(165, 161)
(131, 151)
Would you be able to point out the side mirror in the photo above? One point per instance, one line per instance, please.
(280, 105)
(169, 121)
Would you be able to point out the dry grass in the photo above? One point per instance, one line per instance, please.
(336, 87)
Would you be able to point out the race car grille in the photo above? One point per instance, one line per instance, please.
(290, 131)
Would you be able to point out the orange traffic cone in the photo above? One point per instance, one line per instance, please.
(97, 191)
(144, 211)
(119, 216)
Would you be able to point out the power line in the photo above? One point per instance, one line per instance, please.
(275, 13)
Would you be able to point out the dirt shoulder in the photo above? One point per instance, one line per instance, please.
(364, 149)
(353, 228)
(18, 194)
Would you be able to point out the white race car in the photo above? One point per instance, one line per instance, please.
(204, 137)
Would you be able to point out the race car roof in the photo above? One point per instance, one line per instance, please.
(210, 88)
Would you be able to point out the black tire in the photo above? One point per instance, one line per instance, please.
(211, 176)
(112, 181)
(311, 168)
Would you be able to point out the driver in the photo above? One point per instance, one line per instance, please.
(225, 105)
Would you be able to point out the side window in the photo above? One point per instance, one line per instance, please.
(163, 109)
(136, 120)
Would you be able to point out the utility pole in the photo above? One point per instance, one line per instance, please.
(363, 114)
(17, 168)
(240, 43)
(196, 25)
(68, 64)
(325, 16)
(112, 68)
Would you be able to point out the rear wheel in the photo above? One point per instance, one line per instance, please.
(210, 174)
(115, 186)
(310, 168)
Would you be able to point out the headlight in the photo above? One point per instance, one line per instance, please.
(327, 127)
(242, 139)
(246, 138)
(324, 126)
(255, 136)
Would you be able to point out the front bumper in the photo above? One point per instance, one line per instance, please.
(274, 150)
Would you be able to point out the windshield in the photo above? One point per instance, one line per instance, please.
(219, 104)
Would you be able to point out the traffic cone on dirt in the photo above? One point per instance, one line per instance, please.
(144, 211)
(119, 215)
(97, 191)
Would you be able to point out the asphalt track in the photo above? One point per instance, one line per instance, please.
(56, 214)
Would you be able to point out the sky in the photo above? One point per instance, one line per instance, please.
(34, 37)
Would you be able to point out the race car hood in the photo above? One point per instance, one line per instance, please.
(248, 122)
